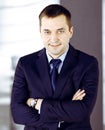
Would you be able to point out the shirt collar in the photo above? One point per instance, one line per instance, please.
(62, 57)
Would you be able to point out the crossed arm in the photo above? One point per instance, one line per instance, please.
(79, 95)
(75, 110)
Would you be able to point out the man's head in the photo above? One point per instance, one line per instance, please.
(55, 10)
(56, 30)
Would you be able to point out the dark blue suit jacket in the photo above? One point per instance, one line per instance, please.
(32, 79)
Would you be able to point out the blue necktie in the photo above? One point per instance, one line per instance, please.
(54, 71)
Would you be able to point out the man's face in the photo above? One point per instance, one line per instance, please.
(55, 34)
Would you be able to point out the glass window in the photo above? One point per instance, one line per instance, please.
(19, 35)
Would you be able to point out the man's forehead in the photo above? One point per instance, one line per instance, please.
(51, 23)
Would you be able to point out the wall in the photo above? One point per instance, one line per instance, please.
(87, 21)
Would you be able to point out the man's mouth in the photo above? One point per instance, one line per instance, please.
(54, 45)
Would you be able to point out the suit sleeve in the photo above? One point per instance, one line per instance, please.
(74, 111)
(21, 113)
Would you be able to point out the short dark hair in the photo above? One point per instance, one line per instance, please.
(54, 10)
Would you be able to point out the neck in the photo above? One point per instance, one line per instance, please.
(54, 56)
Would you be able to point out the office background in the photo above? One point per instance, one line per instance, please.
(19, 36)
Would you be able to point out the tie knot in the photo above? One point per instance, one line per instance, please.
(55, 62)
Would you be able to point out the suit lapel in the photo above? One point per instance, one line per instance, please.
(43, 69)
(66, 72)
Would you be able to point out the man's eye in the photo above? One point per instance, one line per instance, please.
(47, 32)
(61, 31)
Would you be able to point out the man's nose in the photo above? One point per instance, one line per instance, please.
(54, 38)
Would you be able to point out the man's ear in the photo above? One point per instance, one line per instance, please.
(71, 31)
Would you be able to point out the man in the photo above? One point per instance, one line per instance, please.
(39, 100)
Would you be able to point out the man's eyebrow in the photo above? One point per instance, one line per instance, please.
(46, 30)
(61, 29)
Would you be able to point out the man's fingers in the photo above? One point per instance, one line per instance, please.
(79, 92)
(79, 95)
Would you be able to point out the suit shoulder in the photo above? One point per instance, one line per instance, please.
(30, 57)
(86, 58)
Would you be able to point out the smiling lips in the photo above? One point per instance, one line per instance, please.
(55, 45)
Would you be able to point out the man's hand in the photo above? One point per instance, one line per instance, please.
(37, 105)
(79, 95)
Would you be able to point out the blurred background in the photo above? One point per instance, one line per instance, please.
(19, 35)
